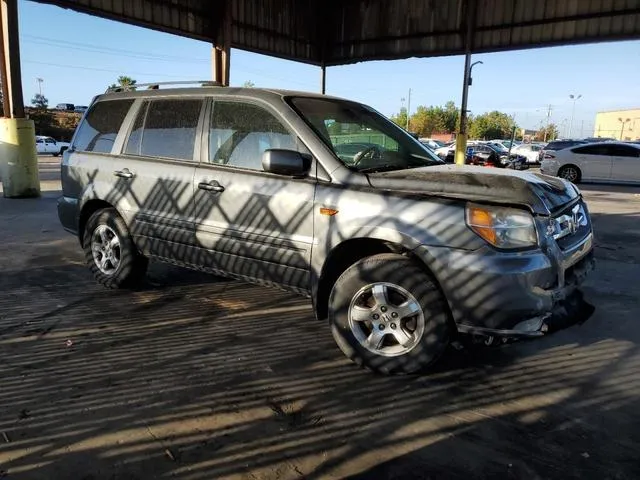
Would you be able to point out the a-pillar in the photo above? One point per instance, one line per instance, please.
(18, 157)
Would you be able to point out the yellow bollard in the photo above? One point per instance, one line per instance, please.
(18, 158)
(461, 148)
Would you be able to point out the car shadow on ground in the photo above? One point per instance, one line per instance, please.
(204, 379)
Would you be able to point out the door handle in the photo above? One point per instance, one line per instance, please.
(125, 173)
(211, 186)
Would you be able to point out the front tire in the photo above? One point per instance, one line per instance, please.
(387, 314)
(110, 252)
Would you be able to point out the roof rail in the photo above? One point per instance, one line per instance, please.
(156, 85)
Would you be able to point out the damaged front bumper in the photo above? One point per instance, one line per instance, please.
(516, 295)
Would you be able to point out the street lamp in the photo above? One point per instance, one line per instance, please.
(623, 122)
(575, 98)
(461, 140)
(39, 80)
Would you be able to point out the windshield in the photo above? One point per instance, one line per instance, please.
(499, 147)
(363, 139)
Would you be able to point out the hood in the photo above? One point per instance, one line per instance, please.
(540, 193)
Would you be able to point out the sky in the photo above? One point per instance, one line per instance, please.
(77, 56)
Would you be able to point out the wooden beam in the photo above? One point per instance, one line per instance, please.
(11, 58)
(221, 53)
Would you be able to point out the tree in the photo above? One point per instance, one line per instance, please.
(401, 118)
(491, 125)
(248, 84)
(550, 132)
(124, 82)
(450, 117)
(40, 102)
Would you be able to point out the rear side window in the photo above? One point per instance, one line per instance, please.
(100, 127)
(240, 133)
(165, 128)
(593, 150)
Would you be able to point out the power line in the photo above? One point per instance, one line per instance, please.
(79, 67)
(93, 48)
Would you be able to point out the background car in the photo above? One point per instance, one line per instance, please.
(601, 162)
(447, 152)
(556, 145)
(433, 144)
(531, 151)
(49, 145)
(80, 108)
(488, 154)
(67, 107)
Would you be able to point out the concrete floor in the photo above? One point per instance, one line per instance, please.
(200, 378)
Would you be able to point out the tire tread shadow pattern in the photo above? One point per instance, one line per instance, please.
(402, 271)
(133, 265)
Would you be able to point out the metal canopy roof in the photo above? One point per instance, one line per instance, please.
(334, 32)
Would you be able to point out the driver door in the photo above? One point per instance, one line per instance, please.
(250, 223)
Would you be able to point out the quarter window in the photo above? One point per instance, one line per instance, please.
(165, 128)
(100, 127)
(240, 133)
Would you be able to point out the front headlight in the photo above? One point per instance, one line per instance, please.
(502, 227)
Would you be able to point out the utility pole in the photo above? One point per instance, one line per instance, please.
(408, 108)
(546, 130)
(39, 80)
(582, 129)
(575, 98)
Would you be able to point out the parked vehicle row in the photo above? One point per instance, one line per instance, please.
(400, 252)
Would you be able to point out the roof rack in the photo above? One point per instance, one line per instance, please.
(156, 85)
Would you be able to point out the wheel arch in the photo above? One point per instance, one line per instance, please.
(89, 208)
(350, 251)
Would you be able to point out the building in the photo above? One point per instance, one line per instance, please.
(618, 124)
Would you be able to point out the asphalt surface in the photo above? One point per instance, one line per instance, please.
(201, 378)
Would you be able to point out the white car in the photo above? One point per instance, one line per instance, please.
(531, 151)
(46, 145)
(600, 162)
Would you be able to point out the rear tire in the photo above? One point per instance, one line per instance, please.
(110, 252)
(387, 315)
(571, 173)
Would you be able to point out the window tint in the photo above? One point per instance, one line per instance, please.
(169, 129)
(593, 150)
(240, 133)
(98, 130)
(624, 151)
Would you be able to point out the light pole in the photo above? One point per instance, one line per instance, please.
(39, 80)
(575, 98)
(461, 140)
(623, 122)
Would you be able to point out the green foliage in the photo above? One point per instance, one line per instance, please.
(491, 125)
(428, 120)
(551, 133)
(40, 101)
(124, 82)
(401, 118)
(248, 84)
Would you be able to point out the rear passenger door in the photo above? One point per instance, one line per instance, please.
(625, 163)
(593, 160)
(157, 166)
(253, 224)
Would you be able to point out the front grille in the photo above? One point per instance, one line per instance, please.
(571, 225)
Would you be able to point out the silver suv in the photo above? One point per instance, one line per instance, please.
(328, 198)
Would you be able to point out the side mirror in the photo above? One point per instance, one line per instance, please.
(286, 162)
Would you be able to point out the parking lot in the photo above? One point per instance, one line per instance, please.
(202, 378)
